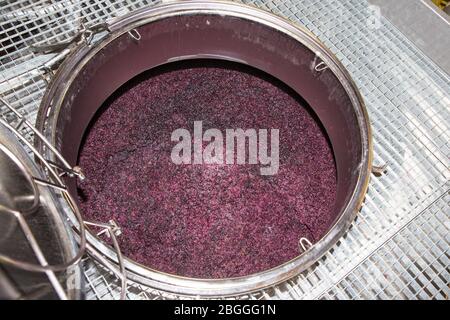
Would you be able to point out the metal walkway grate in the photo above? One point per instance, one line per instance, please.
(399, 246)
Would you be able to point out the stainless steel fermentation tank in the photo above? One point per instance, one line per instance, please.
(178, 31)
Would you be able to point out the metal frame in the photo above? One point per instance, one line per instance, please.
(9, 148)
(54, 181)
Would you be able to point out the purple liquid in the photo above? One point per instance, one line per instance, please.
(206, 221)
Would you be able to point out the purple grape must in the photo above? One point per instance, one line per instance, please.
(208, 220)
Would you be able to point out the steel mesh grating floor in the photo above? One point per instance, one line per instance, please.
(399, 245)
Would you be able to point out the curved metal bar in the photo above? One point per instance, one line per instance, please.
(37, 133)
(304, 244)
(135, 34)
(380, 170)
(322, 66)
(111, 230)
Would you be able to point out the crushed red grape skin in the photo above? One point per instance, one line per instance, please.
(206, 221)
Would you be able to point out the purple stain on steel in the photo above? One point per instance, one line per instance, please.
(206, 221)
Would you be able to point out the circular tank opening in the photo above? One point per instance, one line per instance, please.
(226, 228)
(208, 220)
